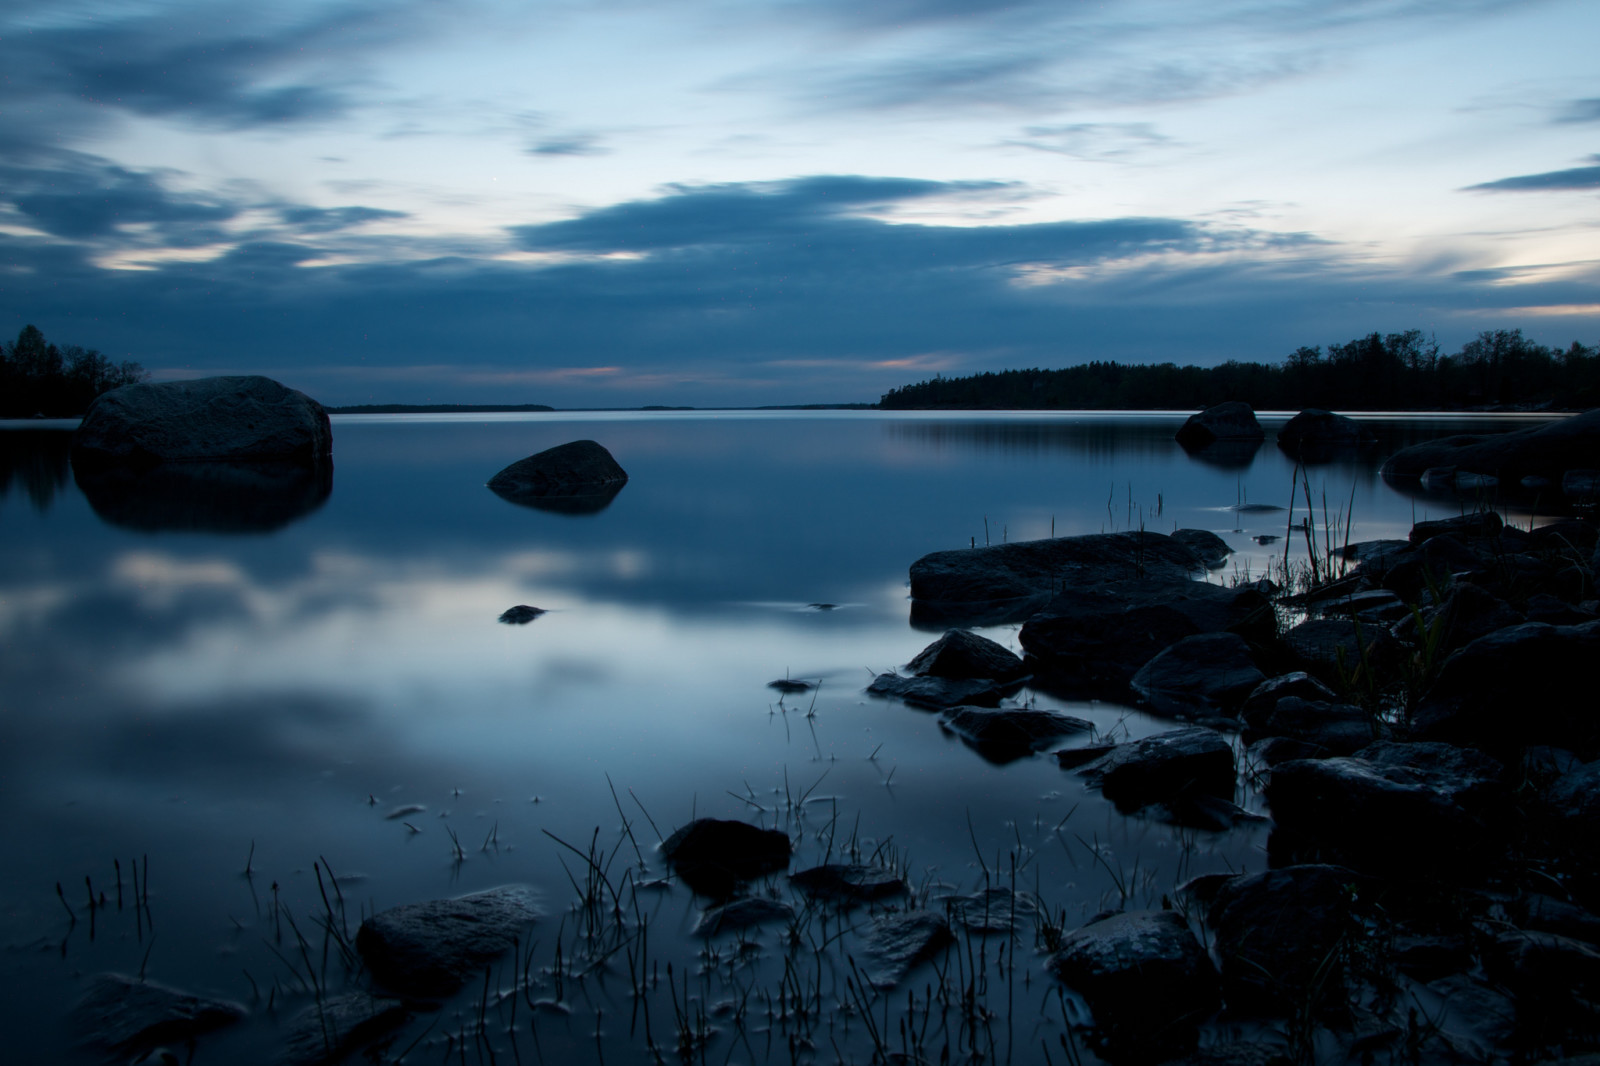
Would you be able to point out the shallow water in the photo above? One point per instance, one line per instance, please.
(273, 692)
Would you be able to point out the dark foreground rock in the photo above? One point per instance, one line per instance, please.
(1209, 548)
(329, 1031)
(520, 615)
(579, 477)
(430, 949)
(1276, 934)
(962, 655)
(714, 856)
(897, 943)
(1264, 698)
(1206, 675)
(938, 693)
(848, 882)
(1331, 647)
(1338, 728)
(208, 497)
(1003, 735)
(1315, 430)
(234, 419)
(1546, 451)
(1147, 980)
(127, 1015)
(1160, 767)
(1225, 421)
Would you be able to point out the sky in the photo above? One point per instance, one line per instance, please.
(737, 202)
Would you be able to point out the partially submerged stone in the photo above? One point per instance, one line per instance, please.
(1339, 728)
(961, 655)
(742, 914)
(938, 693)
(1315, 430)
(334, 1028)
(897, 943)
(849, 882)
(1209, 548)
(1161, 767)
(520, 615)
(577, 477)
(1546, 451)
(126, 1014)
(1203, 675)
(430, 949)
(715, 855)
(994, 911)
(1006, 734)
(1232, 420)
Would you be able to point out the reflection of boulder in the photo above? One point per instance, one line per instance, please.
(204, 497)
(579, 477)
(226, 418)
(1225, 454)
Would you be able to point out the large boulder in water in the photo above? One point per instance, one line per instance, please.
(1546, 451)
(579, 477)
(228, 419)
(1314, 430)
(1226, 421)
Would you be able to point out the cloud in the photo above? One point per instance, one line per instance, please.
(1580, 111)
(1092, 140)
(67, 194)
(332, 219)
(573, 144)
(1551, 180)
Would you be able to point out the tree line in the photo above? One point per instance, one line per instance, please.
(1395, 371)
(40, 378)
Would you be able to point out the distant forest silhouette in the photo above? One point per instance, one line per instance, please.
(1395, 371)
(39, 378)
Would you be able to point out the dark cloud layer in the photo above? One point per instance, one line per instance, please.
(1575, 178)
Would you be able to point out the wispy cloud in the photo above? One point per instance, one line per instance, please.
(1549, 181)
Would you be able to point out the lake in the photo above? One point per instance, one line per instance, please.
(263, 699)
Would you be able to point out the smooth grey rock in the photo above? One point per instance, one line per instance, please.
(1544, 451)
(204, 497)
(850, 882)
(520, 615)
(1166, 765)
(742, 914)
(430, 949)
(714, 855)
(1006, 734)
(1147, 980)
(232, 419)
(962, 655)
(993, 911)
(126, 1015)
(1275, 931)
(1314, 429)
(330, 1031)
(581, 472)
(1340, 728)
(897, 943)
(938, 693)
(1209, 548)
(1206, 674)
(1232, 420)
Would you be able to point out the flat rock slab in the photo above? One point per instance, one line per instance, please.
(1546, 451)
(714, 855)
(1006, 734)
(994, 910)
(1206, 674)
(1145, 977)
(430, 949)
(896, 944)
(127, 1015)
(1160, 767)
(246, 418)
(938, 693)
(962, 655)
(850, 882)
(742, 914)
(581, 470)
(339, 1026)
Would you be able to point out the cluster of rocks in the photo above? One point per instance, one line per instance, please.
(1229, 434)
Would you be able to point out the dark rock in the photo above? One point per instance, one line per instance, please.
(1546, 914)
(1021, 576)
(228, 419)
(1263, 700)
(897, 943)
(329, 1031)
(1275, 751)
(1331, 646)
(1209, 548)
(1545, 451)
(963, 655)
(1393, 806)
(1161, 767)
(938, 693)
(211, 497)
(1516, 687)
(1552, 611)
(1072, 758)
(1007, 734)
(1275, 931)
(1339, 728)
(1554, 981)
(520, 615)
(127, 1015)
(993, 911)
(1569, 535)
(1093, 640)
(1147, 980)
(849, 882)
(1372, 606)
(1428, 958)
(430, 949)
(1468, 612)
(1199, 810)
(742, 914)
(1373, 551)
(579, 477)
(1314, 430)
(714, 856)
(789, 686)
(1573, 804)
(1478, 524)
(1225, 421)
(1206, 674)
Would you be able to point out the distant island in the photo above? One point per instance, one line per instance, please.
(1392, 372)
(434, 408)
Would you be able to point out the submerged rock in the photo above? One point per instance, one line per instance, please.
(126, 1014)
(246, 418)
(579, 477)
(850, 882)
(1003, 735)
(1546, 451)
(331, 1030)
(714, 855)
(897, 943)
(993, 911)
(430, 949)
(962, 655)
(1203, 675)
(520, 615)
(938, 693)
(742, 914)
(1224, 421)
(1147, 980)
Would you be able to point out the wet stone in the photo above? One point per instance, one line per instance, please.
(937, 693)
(1006, 734)
(430, 949)
(994, 910)
(520, 615)
(714, 856)
(742, 914)
(964, 655)
(1199, 675)
(1274, 930)
(1164, 766)
(340, 1025)
(849, 882)
(896, 944)
(126, 1014)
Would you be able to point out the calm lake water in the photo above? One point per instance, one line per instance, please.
(200, 699)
